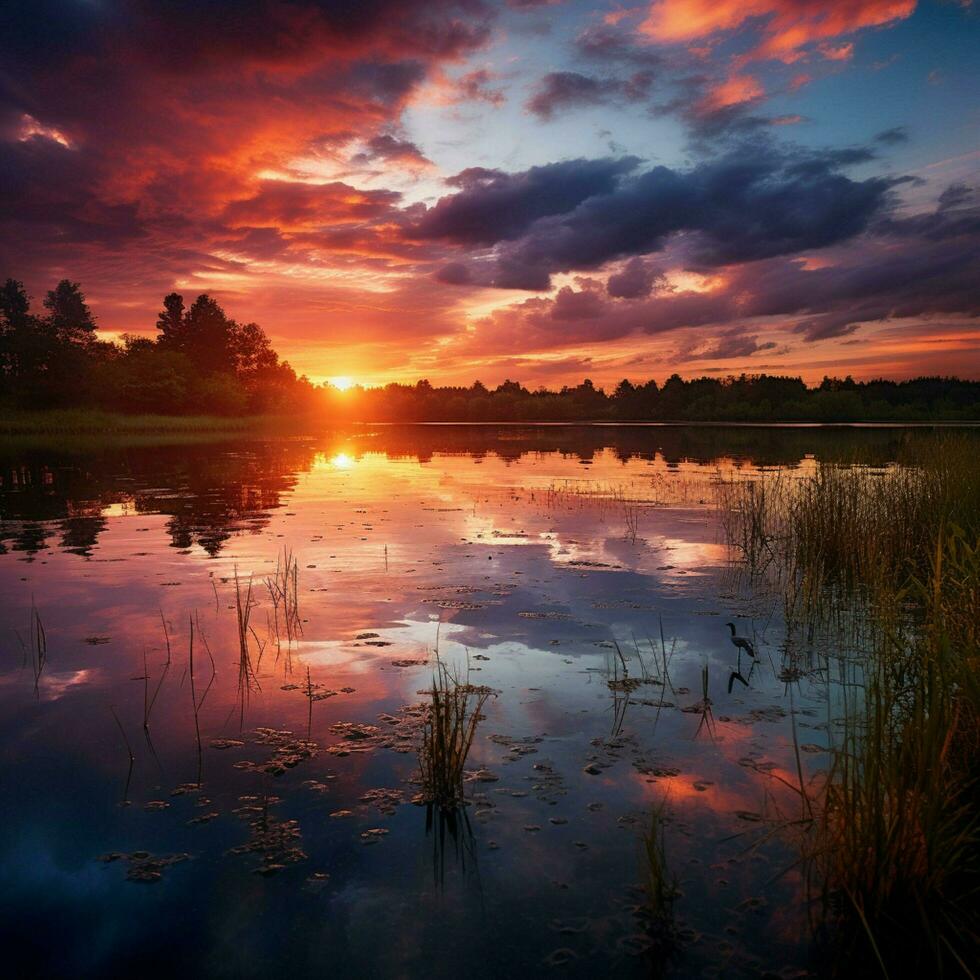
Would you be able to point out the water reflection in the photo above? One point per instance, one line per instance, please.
(126, 732)
(212, 491)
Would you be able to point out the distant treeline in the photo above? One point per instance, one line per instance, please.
(203, 362)
(746, 398)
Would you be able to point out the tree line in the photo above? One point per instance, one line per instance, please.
(745, 398)
(200, 362)
(203, 362)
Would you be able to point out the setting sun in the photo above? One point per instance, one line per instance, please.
(341, 383)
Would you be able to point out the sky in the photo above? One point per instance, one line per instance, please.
(528, 189)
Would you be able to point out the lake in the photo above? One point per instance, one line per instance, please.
(262, 813)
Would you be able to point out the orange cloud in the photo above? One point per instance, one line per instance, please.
(837, 52)
(787, 26)
(734, 90)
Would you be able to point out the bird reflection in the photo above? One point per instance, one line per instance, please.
(741, 644)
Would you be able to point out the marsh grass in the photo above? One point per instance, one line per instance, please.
(452, 716)
(659, 489)
(659, 885)
(197, 704)
(283, 588)
(38, 646)
(148, 699)
(125, 801)
(881, 568)
(631, 515)
(247, 679)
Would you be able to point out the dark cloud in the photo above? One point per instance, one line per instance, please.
(956, 195)
(900, 269)
(493, 206)
(753, 204)
(453, 274)
(610, 43)
(897, 134)
(562, 90)
(634, 280)
(569, 304)
(386, 147)
(50, 193)
(730, 344)
(476, 86)
(158, 120)
(187, 35)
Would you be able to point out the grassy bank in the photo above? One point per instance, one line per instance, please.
(94, 421)
(75, 428)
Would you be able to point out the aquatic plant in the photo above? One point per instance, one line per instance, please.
(283, 588)
(848, 529)
(452, 716)
(132, 758)
(247, 680)
(149, 702)
(884, 566)
(659, 883)
(39, 647)
(897, 843)
(195, 703)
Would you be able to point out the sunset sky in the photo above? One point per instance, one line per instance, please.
(527, 189)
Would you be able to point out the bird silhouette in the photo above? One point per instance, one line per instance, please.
(741, 642)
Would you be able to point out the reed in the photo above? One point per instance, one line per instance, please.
(247, 680)
(38, 646)
(631, 515)
(148, 701)
(881, 569)
(659, 882)
(196, 703)
(129, 752)
(452, 716)
(853, 529)
(283, 588)
(897, 844)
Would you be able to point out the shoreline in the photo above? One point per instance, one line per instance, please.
(109, 425)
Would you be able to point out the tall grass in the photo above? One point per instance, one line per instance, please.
(660, 887)
(853, 528)
(38, 641)
(247, 679)
(886, 564)
(283, 588)
(196, 703)
(660, 883)
(452, 717)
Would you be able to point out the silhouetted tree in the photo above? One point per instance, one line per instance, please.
(207, 336)
(69, 315)
(170, 322)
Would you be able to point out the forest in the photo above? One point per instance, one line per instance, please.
(202, 362)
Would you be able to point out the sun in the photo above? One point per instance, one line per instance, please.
(342, 382)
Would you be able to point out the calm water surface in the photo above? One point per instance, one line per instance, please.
(297, 848)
